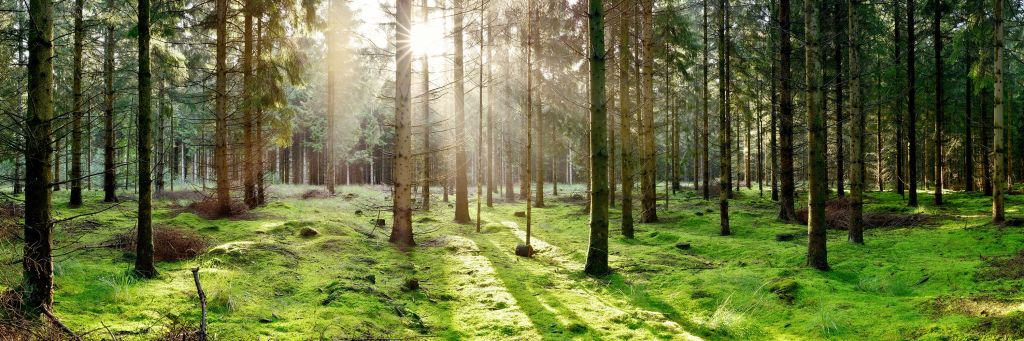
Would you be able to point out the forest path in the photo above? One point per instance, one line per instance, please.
(487, 309)
(561, 302)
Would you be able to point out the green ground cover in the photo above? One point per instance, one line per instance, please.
(942, 280)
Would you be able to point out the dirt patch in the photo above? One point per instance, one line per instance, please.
(316, 194)
(1011, 267)
(208, 208)
(839, 211)
(169, 244)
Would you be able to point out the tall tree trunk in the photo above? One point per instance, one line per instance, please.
(626, 118)
(76, 111)
(911, 104)
(248, 103)
(491, 189)
(817, 180)
(597, 254)
(774, 143)
(901, 145)
(220, 155)
(144, 241)
(968, 169)
(856, 230)
(837, 64)
(998, 121)
(37, 264)
(480, 169)
(109, 149)
(539, 161)
(724, 154)
(461, 164)
(401, 230)
(428, 124)
(787, 198)
(648, 176)
(705, 116)
(939, 98)
(879, 174)
(261, 188)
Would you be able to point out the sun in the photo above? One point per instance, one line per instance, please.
(427, 38)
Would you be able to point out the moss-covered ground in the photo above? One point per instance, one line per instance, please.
(264, 280)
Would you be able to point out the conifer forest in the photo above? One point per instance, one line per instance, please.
(511, 170)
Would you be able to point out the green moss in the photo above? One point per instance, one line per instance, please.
(263, 279)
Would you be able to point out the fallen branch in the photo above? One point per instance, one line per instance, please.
(56, 322)
(202, 304)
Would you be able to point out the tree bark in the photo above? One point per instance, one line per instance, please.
(144, 241)
(625, 119)
(724, 153)
(648, 176)
(705, 116)
(597, 254)
(37, 264)
(998, 144)
(817, 180)
(401, 230)
(968, 168)
(428, 123)
(248, 103)
(220, 155)
(461, 163)
(856, 231)
(109, 149)
(787, 197)
(76, 111)
(911, 104)
(939, 98)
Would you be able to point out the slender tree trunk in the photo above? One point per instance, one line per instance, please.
(109, 149)
(597, 253)
(626, 118)
(723, 125)
(249, 135)
(998, 121)
(856, 230)
(76, 111)
(939, 98)
(706, 131)
(539, 201)
(911, 103)
(787, 198)
(837, 60)
(773, 144)
(529, 124)
(817, 180)
(401, 230)
(491, 189)
(901, 145)
(37, 264)
(261, 188)
(480, 169)
(648, 176)
(428, 123)
(221, 120)
(461, 163)
(968, 169)
(879, 174)
(144, 241)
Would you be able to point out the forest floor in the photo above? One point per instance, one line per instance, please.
(949, 274)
